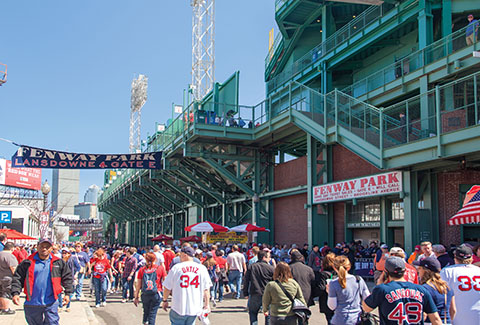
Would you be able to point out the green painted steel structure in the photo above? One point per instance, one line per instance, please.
(215, 170)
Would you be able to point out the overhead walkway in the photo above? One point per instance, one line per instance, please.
(439, 60)
(371, 26)
(213, 168)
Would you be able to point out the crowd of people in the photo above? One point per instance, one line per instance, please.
(190, 279)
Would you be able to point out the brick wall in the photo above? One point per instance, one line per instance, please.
(290, 174)
(449, 201)
(348, 165)
(291, 219)
(339, 221)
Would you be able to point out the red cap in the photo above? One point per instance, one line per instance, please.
(418, 247)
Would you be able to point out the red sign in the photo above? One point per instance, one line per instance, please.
(373, 185)
(30, 178)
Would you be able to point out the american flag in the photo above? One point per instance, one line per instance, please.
(470, 212)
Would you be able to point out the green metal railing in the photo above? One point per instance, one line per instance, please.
(280, 3)
(417, 60)
(446, 108)
(355, 26)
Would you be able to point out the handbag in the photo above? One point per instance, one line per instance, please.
(365, 318)
(302, 312)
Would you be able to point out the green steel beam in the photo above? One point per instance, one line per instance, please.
(200, 170)
(166, 195)
(154, 199)
(138, 204)
(199, 183)
(181, 191)
(228, 175)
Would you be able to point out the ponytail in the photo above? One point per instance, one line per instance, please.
(342, 265)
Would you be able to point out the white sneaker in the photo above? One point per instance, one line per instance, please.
(124, 300)
(104, 304)
(97, 306)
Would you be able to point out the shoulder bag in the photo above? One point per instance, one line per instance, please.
(364, 318)
(302, 312)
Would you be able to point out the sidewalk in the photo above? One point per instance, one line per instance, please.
(80, 314)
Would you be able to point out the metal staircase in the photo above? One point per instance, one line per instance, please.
(441, 123)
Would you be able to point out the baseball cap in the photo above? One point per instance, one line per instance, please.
(395, 265)
(418, 248)
(45, 240)
(338, 245)
(397, 250)
(430, 263)
(463, 252)
(198, 251)
(266, 249)
(470, 16)
(384, 246)
(188, 250)
(438, 248)
(209, 254)
(65, 250)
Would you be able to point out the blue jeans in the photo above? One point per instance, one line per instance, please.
(235, 277)
(40, 315)
(127, 285)
(218, 290)
(150, 303)
(79, 286)
(176, 319)
(100, 286)
(60, 300)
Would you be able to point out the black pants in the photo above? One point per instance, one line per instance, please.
(254, 304)
(151, 303)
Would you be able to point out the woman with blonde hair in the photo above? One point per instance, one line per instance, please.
(429, 271)
(276, 301)
(345, 294)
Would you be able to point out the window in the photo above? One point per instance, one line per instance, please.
(364, 212)
(397, 211)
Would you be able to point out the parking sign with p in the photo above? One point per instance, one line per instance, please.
(5, 216)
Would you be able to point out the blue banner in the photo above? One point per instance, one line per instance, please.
(44, 158)
(364, 267)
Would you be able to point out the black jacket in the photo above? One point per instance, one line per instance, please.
(257, 276)
(305, 277)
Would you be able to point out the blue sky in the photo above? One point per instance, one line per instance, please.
(71, 63)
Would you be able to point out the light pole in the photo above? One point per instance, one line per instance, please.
(45, 190)
(44, 218)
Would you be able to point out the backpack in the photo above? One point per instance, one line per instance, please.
(149, 280)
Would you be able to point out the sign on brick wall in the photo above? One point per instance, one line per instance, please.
(373, 185)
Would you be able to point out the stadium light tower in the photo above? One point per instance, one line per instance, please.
(137, 100)
(203, 47)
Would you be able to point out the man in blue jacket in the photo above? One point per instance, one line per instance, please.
(42, 276)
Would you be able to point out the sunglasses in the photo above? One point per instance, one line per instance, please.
(65, 252)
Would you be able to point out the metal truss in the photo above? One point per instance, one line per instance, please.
(203, 47)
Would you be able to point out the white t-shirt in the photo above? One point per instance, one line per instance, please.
(160, 258)
(235, 261)
(187, 281)
(464, 280)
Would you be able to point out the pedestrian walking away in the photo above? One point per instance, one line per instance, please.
(189, 284)
(42, 277)
(8, 264)
(149, 282)
(345, 294)
(464, 279)
(398, 301)
(258, 275)
(276, 303)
